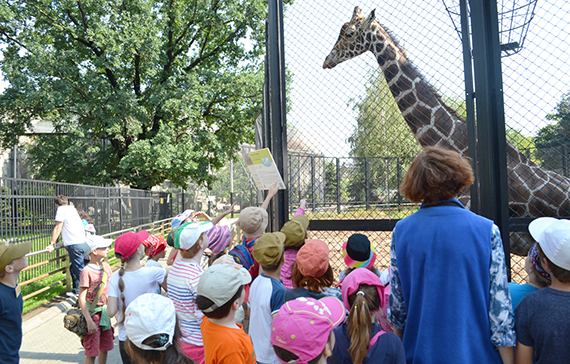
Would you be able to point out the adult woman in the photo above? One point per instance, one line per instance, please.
(449, 299)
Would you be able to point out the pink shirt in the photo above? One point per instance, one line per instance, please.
(90, 278)
(290, 258)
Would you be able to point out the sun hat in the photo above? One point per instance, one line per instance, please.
(357, 277)
(295, 230)
(155, 244)
(220, 283)
(302, 326)
(187, 234)
(534, 259)
(358, 252)
(151, 314)
(126, 244)
(553, 236)
(179, 219)
(268, 249)
(170, 237)
(9, 252)
(313, 258)
(95, 242)
(253, 221)
(219, 237)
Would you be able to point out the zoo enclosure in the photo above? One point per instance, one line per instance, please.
(347, 116)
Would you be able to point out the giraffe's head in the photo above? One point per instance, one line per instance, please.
(352, 40)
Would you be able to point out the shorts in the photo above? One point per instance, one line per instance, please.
(194, 352)
(98, 342)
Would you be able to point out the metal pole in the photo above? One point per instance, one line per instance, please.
(337, 186)
(469, 103)
(232, 185)
(367, 185)
(313, 181)
(277, 104)
(490, 118)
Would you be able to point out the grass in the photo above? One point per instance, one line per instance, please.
(363, 213)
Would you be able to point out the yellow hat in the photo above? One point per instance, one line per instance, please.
(268, 249)
(9, 252)
(295, 230)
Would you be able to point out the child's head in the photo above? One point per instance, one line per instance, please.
(363, 296)
(155, 246)
(296, 231)
(268, 251)
(219, 237)
(253, 221)
(302, 329)
(179, 219)
(12, 257)
(220, 290)
(534, 269)
(191, 239)
(553, 237)
(358, 252)
(153, 331)
(97, 245)
(312, 269)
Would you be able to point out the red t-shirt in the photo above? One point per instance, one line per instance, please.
(90, 278)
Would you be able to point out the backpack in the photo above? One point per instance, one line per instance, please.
(242, 256)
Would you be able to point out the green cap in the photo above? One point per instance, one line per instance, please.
(268, 249)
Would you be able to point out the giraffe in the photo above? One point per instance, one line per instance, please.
(533, 191)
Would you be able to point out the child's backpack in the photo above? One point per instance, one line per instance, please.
(242, 256)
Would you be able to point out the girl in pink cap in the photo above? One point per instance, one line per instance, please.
(361, 338)
(131, 281)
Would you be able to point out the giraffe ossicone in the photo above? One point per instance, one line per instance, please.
(533, 191)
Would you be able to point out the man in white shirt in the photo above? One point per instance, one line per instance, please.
(68, 223)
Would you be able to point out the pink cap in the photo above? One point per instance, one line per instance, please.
(313, 258)
(126, 244)
(357, 277)
(303, 326)
(219, 237)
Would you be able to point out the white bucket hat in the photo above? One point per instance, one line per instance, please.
(553, 235)
(151, 314)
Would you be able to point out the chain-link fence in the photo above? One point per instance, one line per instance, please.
(356, 114)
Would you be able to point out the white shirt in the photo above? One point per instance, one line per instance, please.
(137, 282)
(72, 231)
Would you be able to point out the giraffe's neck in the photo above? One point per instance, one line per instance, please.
(426, 115)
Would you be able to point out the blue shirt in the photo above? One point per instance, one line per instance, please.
(518, 291)
(10, 324)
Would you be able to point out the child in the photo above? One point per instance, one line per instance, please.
(537, 277)
(155, 249)
(312, 274)
(12, 261)
(153, 331)
(266, 295)
(296, 232)
(360, 339)
(131, 281)
(94, 279)
(358, 252)
(220, 295)
(302, 331)
(543, 316)
(191, 239)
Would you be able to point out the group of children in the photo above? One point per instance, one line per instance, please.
(282, 285)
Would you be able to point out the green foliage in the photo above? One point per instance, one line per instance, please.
(381, 143)
(553, 141)
(140, 91)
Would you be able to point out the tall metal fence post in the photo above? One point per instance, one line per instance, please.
(120, 200)
(337, 186)
(68, 281)
(490, 118)
(313, 201)
(109, 209)
(367, 185)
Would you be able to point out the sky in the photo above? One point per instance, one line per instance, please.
(321, 100)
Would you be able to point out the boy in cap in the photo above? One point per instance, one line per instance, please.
(543, 316)
(191, 239)
(266, 294)
(99, 339)
(220, 295)
(12, 261)
(155, 249)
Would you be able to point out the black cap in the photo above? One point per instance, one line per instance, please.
(358, 247)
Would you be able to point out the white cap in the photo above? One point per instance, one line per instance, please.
(188, 234)
(96, 241)
(150, 314)
(553, 235)
(220, 283)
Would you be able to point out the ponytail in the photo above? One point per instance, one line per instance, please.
(359, 320)
(122, 282)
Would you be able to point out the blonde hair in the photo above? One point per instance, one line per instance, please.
(359, 320)
(191, 253)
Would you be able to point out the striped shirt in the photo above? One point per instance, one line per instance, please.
(182, 284)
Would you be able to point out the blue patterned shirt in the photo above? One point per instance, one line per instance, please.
(501, 317)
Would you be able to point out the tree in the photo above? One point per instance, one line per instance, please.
(380, 141)
(140, 91)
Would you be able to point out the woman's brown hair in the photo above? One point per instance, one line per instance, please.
(360, 322)
(312, 284)
(436, 174)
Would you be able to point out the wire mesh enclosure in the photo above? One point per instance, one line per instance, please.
(355, 120)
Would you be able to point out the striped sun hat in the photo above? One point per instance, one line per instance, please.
(219, 237)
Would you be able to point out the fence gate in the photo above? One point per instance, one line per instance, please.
(349, 142)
